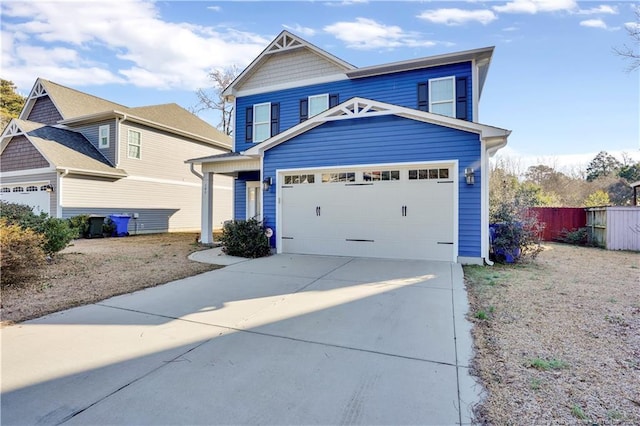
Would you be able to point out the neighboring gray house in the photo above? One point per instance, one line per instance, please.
(71, 153)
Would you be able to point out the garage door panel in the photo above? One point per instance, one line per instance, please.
(411, 219)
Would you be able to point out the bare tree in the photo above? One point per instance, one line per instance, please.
(631, 53)
(212, 99)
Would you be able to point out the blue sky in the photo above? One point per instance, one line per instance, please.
(554, 79)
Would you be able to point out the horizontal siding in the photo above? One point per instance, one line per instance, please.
(386, 139)
(90, 132)
(163, 155)
(179, 204)
(40, 178)
(397, 89)
(20, 154)
(44, 111)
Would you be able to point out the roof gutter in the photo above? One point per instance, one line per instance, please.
(85, 172)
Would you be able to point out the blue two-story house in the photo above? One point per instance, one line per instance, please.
(384, 161)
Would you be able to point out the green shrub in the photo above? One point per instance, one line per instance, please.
(108, 227)
(21, 254)
(245, 238)
(518, 232)
(80, 224)
(21, 214)
(578, 236)
(57, 234)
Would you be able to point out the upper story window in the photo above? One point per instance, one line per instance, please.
(314, 105)
(262, 121)
(134, 144)
(442, 96)
(445, 96)
(103, 136)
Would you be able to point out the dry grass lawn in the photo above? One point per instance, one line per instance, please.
(558, 339)
(92, 270)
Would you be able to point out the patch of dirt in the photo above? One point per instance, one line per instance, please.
(92, 270)
(559, 342)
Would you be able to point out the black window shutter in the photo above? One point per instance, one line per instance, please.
(249, 124)
(461, 98)
(423, 96)
(275, 119)
(304, 109)
(333, 100)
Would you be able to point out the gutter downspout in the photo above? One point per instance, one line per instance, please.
(59, 193)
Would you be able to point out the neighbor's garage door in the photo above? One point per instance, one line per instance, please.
(33, 195)
(404, 213)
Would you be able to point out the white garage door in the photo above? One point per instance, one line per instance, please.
(390, 212)
(34, 195)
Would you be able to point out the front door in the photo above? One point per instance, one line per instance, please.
(253, 210)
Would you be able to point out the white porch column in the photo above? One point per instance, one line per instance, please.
(206, 216)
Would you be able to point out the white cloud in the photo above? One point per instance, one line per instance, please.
(214, 8)
(594, 23)
(509, 29)
(632, 26)
(602, 9)
(535, 6)
(346, 2)
(299, 29)
(368, 34)
(148, 51)
(458, 16)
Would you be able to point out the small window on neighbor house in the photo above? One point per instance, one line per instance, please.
(318, 104)
(442, 96)
(134, 144)
(18, 189)
(32, 188)
(103, 136)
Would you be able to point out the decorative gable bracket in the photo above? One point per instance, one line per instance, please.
(12, 130)
(285, 42)
(357, 108)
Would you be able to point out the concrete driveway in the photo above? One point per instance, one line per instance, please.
(280, 340)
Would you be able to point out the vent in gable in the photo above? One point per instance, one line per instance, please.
(284, 42)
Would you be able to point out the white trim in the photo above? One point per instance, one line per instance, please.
(255, 122)
(165, 181)
(484, 201)
(324, 96)
(453, 177)
(100, 129)
(117, 141)
(290, 85)
(28, 172)
(129, 131)
(253, 184)
(360, 107)
(453, 95)
(475, 96)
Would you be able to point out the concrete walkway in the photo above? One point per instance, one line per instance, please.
(286, 339)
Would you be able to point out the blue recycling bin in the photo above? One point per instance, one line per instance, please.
(122, 224)
(509, 255)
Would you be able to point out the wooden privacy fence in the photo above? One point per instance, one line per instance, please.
(615, 228)
(559, 219)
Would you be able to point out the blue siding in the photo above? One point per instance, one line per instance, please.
(398, 89)
(240, 192)
(386, 139)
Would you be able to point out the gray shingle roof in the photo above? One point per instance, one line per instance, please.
(67, 149)
(74, 104)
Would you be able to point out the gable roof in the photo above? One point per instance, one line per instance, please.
(69, 102)
(355, 108)
(63, 148)
(284, 42)
(77, 107)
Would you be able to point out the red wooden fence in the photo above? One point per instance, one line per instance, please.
(558, 218)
